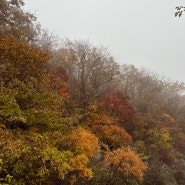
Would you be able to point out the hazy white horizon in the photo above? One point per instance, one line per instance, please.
(144, 33)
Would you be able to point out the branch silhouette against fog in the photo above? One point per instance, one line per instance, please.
(179, 11)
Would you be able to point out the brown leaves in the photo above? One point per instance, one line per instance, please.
(20, 61)
(15, 22)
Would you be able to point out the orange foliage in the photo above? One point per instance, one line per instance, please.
(80, 162)
(108, 130)
(125, 162)
(82, 141)
(168, 119)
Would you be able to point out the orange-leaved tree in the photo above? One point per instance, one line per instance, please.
(108, 130)
(124, 166)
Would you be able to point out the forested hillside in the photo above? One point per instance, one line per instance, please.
(71, 115)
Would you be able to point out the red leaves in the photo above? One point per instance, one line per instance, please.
(118, 105)
(108, 131)
(57, 79)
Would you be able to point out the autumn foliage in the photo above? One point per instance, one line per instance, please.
(124, 164)
(73, 116)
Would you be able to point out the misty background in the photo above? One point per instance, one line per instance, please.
(144, 33)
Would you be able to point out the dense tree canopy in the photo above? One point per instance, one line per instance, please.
(73, 116)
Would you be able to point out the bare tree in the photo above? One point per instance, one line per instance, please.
(89, 69)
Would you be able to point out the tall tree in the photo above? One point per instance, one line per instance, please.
(89, 69)
(17, 22)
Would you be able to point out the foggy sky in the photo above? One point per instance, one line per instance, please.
(144, 33)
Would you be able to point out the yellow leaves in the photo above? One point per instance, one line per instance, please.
(93, 108)
(2, 126)
(80, 162)
(160, 137)
(84, 145)
(126, 162)
(10, 113)
(82, 141)
(36, 156)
